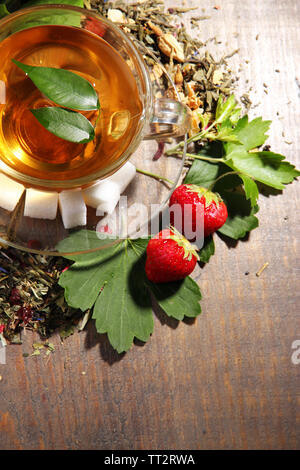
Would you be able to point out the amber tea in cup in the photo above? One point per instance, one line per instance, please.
(30, 149)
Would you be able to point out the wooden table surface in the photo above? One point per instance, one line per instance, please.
(227, 380)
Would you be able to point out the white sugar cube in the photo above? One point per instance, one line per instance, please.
(123, 176)
(10, 192)
(109, 196)
(93, 195)
(99, 193)
(72, 208)
(40, 204)
(105, 194)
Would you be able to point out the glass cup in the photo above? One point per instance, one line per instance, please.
(160, 119)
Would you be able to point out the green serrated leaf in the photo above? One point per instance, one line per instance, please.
(225, 108)
(225, 132)
(251, 134)
(241, 218)
(108, 283)
(63, 87)
(207, 250)
(113, 280)
(89, 241)
(235, 116)
(204, 173)
(251, 189)
(89, 272)
(123, 310)
(66, 124)
(178, 299)
(266, 167)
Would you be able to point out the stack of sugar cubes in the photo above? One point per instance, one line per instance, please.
(102, 196)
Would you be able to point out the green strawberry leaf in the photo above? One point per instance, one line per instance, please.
(112, 280)
(225, 132)
(63, 87)
(225, 108)
(266, 167)
(204, 173)
(123, 309)
(241, 218)
(251, 189)
(178, 299)
(251, 134)
(65, 124)
(207, 250)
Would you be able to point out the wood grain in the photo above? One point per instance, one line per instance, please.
(225, 381)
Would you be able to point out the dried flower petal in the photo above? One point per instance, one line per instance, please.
(168, 44)
(116, 16)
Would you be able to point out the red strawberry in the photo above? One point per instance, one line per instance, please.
(198, 201)
(170, 257)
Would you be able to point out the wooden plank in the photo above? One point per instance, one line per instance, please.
(226, 380)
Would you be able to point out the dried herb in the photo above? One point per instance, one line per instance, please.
(166, 38)
(30, 296)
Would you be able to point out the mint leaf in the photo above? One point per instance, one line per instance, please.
(251, 189)
(75, 3)
(53, 16)
(266, 167)
(65, 124)
(241, 218)
(207, 250)
(63, 87)
(112, 280)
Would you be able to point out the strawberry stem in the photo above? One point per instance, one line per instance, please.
(153, 175)
(202, 157)
(194, 138)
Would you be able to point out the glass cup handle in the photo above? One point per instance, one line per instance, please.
(170, 119)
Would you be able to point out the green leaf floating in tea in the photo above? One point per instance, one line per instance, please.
(66, 124)
(65, 89)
